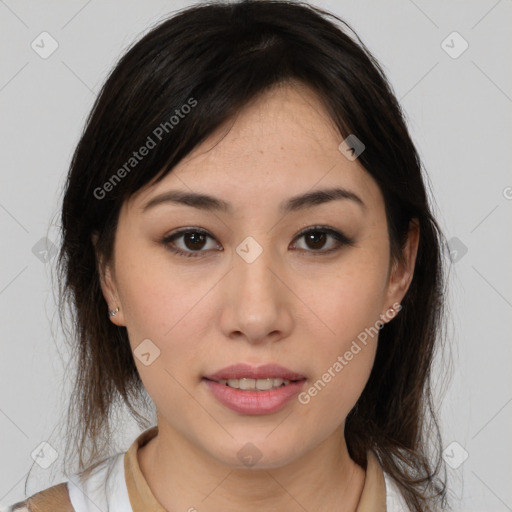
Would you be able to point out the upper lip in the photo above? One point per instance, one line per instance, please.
(246, 371)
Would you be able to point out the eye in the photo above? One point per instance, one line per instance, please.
(194, 241)
(317, 236)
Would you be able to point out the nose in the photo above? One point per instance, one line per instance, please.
(257, 305)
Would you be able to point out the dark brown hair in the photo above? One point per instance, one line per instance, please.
(217, 57)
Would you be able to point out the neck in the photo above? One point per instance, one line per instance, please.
(183, 478)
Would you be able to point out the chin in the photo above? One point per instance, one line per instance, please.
(257, 452)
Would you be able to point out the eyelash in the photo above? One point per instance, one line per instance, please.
(337, 235)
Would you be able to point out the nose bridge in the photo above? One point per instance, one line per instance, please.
(253, 261)
(255, 302)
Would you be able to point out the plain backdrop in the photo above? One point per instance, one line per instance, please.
(456, 90)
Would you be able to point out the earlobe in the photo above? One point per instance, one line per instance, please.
(108, 287)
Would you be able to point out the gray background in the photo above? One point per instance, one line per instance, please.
(459, 114)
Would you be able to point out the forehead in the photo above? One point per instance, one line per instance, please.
(285, 123)
(283, 143)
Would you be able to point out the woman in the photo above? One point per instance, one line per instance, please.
(248, 243)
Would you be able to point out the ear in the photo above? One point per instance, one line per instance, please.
(401, 273)
(108, 286)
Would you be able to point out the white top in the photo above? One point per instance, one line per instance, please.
(394, 500)
(101, 491)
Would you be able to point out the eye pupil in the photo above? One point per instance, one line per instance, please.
(196, 238)
(316, 237)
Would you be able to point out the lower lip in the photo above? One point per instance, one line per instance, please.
(254, 402)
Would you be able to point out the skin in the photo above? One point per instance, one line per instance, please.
(292, 305)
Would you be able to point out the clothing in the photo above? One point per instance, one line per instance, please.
(118, 485)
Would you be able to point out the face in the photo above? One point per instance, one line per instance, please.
(263, 281)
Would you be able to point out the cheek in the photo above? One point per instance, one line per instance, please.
(160, 305)
(334, 391)
(350, 305)
(344, 358)
(161, 308)
(349, 298)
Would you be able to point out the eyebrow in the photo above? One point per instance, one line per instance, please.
(296, 203)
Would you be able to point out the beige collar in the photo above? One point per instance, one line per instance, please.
(373, 497)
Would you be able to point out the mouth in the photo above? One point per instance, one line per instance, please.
(254, 390)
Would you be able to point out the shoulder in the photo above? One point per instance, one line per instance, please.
(52, 499)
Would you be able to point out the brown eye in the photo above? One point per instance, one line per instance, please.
(193, 242)
(317, 237)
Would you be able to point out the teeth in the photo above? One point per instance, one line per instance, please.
(254, 384)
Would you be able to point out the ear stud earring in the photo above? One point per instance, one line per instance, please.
(112, 312)
(395, 311)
